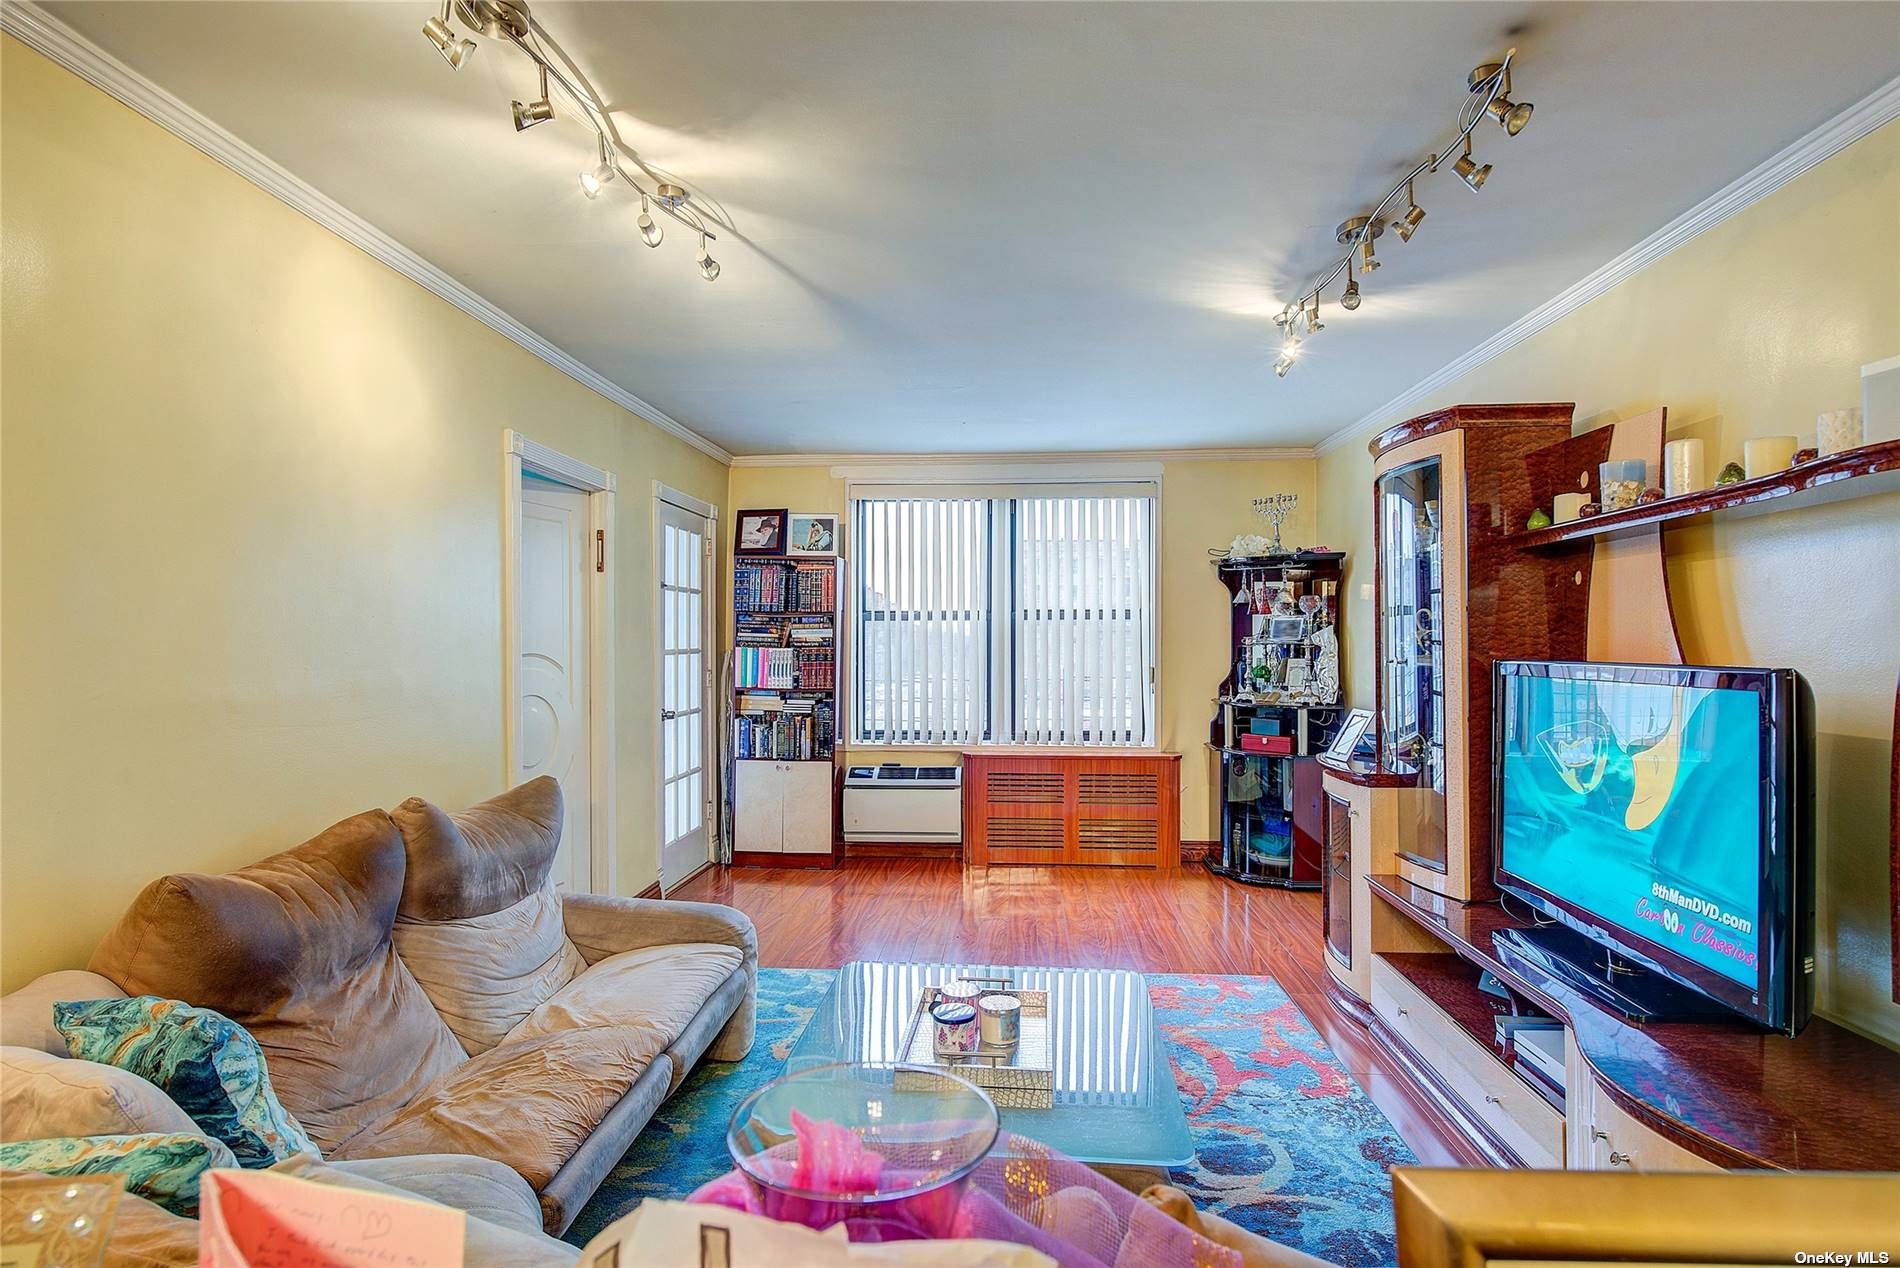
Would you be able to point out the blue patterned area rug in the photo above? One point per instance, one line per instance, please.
(1286, 1144)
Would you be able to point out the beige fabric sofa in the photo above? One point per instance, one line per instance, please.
(420, 988)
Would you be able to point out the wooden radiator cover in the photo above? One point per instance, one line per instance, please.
(1094, 811)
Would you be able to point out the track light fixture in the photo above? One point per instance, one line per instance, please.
(1414, 216)
(650, 231)
(1488, 95)
(1468, 170)
(540, 110)
(594, 181)
(1511, 115)
(510, 22)
(454, 50)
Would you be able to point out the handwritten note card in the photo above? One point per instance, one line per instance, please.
(255, 1219)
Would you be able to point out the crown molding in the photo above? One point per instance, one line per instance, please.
(1284, 453)
(59, 43)
(1862, 119)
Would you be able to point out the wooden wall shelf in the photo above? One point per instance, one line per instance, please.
(1882, 458)
(1826, 1100)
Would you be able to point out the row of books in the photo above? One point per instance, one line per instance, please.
(765, 667)
(777, 587)
(800, 731)
(792, 631)
(817, 668)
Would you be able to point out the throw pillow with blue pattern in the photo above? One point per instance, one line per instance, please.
(207, 1063)
(160, 1166)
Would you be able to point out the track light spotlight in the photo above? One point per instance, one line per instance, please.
(454, 51)
(595, 181)
(1513, 115)
(1281, 366)
(1414, 216)
(708, 267)
(1312, 317)
(650, 231)
(1468, 170)
(540, 110)
(1349, 298)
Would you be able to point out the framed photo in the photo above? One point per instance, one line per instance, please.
(1351, 731)
(812, 535)
(760, 533)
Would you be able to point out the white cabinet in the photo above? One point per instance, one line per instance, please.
(1602, 1137)
(782, 807)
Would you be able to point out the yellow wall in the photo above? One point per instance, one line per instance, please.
(1203, 504)
(1751, 329)
(251, 525)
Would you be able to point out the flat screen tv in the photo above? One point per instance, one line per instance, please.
(1658, 821)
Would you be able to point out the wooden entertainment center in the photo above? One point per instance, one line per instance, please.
(1411, 914)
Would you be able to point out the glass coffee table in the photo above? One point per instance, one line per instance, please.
(1116, 1106)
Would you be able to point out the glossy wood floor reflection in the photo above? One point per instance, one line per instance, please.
(1188, 921)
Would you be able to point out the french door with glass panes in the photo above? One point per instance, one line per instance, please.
(686, 775)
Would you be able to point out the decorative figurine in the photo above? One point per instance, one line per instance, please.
(1274, 510)
(1731, 474)
(1540, 518)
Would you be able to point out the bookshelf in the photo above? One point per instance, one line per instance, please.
(786, 632)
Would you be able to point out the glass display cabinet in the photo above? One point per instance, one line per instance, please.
(1453, 595)
(1411, 606)
(1278, 707)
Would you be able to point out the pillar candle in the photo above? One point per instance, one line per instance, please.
(1765, 455)
(1685, 469)
(1566, 507)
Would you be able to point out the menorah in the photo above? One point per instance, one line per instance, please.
(1274, 510)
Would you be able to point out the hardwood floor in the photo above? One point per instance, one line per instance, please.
(1185, 921)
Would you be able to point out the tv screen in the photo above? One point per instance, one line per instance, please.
(1650, 808)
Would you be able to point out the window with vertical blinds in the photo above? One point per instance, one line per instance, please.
(1008, 615)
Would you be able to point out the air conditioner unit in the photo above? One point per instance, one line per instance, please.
(910, 804)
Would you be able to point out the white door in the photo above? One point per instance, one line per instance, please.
(551, 709)
(685, 841)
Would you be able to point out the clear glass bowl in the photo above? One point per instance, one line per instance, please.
(885, 1151)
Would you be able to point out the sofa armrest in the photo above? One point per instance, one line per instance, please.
(26, 1015)
(600, 926)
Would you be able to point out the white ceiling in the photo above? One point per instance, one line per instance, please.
(975, 227)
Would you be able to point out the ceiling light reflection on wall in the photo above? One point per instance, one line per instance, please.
(1488, 96)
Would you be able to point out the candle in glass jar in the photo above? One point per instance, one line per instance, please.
(1002, 1020)
(1837, 431)
(1765, 455)
(1685, 467)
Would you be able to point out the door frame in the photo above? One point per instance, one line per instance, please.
(522, 456)
(712, 641)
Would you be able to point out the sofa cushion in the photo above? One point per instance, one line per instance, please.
(26, 1015)
(486, 1189)
(297, 950)
(205, 1062)
(661, 988)
(480, 922)
(529, 1102)
(163, 1167)
(42, 1095)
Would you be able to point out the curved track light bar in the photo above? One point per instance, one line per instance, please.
(511, 22)
(1487, 95)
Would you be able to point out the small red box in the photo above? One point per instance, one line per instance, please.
(1276, 745)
